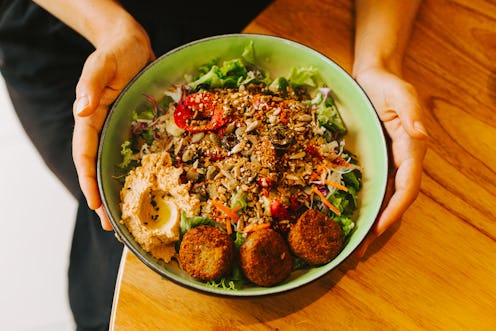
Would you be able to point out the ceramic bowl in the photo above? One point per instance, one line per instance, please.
(365, 137)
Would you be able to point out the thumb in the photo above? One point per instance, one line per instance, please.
(97, 72)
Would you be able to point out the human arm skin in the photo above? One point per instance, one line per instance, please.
(382, 33)
(122, 49)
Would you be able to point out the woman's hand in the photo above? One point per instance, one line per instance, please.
(120, 54)
(397, 105)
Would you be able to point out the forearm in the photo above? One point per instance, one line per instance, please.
(96, 20)
(382, 32)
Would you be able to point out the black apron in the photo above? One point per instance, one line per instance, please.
(41, 60)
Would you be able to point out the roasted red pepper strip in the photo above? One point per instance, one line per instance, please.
(203, 104)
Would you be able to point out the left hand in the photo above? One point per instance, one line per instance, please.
(398, 107)
(106, 72)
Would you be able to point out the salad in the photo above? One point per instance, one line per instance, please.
(249, 151)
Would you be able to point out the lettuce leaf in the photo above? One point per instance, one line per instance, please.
(249, 53)
(346, 223)
(231, 73)
(126, 153)
(328, 114)
(279, 85)
(303, 77)
(234, 282)
(187, 223)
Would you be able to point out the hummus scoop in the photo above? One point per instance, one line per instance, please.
(155, 223)
(159, 213)
(152, 201)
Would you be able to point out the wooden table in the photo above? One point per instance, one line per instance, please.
(434, 270)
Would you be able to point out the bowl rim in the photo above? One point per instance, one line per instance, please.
(258, 291)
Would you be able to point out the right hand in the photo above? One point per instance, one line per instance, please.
(118, 57)
(399, 108)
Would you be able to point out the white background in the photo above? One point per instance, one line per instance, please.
(36, 222)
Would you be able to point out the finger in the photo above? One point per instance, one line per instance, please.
(104, 220)
(152, 57)
(97, 72)
(362, 249)
(407, 186)
(84, 159)
(410, 113)
(84, 149)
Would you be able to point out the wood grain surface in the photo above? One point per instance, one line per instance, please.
(435, 269)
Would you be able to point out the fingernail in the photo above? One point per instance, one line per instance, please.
(81, 104)
(419, 126)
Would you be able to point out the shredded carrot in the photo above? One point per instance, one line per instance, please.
(325, 201)
(318, 172)
(336, 185)
(321, 168)
(226, 210)
(314, 176)
(228, 226)
(255, 227)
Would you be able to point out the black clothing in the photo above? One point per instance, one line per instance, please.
(41, 60)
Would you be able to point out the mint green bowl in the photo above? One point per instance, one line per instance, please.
(365, 137)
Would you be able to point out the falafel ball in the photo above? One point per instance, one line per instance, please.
(206, 253)
(315, 238)
(265, 258)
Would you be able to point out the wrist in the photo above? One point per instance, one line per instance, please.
(102, 31)
(366, 61)
(383, 29)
